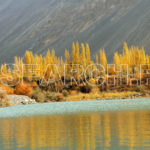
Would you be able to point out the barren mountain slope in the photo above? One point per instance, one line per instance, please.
(40, 24)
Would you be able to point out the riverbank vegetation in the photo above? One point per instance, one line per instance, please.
(78, 76)
(4, 100)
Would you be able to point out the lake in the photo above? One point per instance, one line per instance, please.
(109, 130)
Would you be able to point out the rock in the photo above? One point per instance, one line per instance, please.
(21, 100)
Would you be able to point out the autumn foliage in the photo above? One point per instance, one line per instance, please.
(7, 89)
(23, 89)
(37, 67)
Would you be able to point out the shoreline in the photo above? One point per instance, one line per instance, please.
(25, 100)
(64, 108)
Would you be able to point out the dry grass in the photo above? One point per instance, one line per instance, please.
(4, 101)
(100, 96)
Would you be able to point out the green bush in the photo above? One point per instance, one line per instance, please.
(65, 93)
(38, 95)
(51, 96)
(43, 96)
(140, 89)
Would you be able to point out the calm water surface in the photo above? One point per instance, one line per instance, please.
(100, 131)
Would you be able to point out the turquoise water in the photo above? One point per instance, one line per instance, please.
(75, 107)
(113, 126)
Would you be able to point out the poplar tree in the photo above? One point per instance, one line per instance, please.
(103, 59)
(67, 61)
(83, 57)
(97, 59)
(73, 53)
(77, 53)
(117, 61)
(88, 54)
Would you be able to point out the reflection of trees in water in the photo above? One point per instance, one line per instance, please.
(78, 131)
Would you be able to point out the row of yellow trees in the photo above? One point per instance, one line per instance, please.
(45, 66)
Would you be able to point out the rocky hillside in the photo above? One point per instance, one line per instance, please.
(40, 24)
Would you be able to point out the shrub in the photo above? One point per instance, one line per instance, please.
(95, 90)
(73, 92)
(51, 96)
(34, 84)
(38, 95)
(85, 88)
(23, 89)
(4, 101)
(59, 97)
(92, 81)
(140, 89)
(65, 93)
(8, 90)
